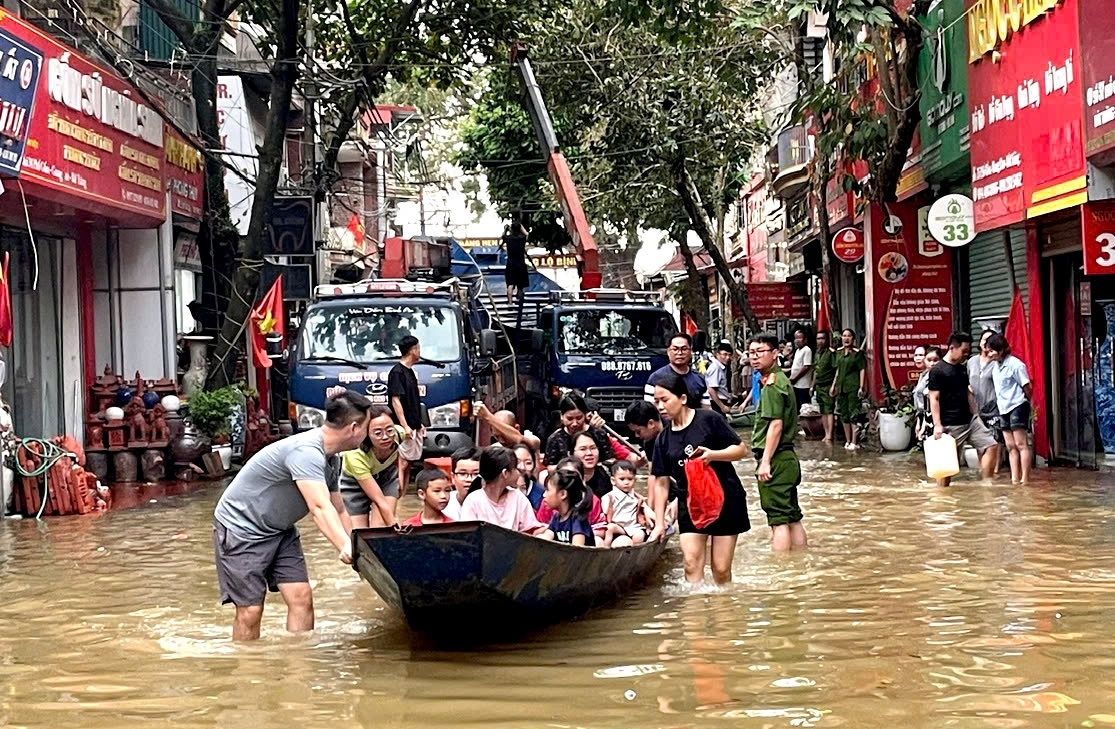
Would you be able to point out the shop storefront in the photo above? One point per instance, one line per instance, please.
(1030, 187)
(85, 215)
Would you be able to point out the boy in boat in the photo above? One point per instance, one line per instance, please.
(254, 535)
(624, 509)
(466, 467)
(434, 491)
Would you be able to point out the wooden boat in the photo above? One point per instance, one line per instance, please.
(444, 576)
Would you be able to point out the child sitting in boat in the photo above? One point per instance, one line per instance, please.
(624, 509)
(434, 490)
(494, 498)
(595, 514)
(567, 495)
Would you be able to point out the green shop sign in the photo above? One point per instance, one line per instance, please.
(943, 78)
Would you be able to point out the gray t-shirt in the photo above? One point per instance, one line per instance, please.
(263, 500)
(716, 377)
(983, 386)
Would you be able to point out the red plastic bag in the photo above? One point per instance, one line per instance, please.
(706, 495)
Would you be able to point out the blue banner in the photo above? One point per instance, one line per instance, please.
(20, 67)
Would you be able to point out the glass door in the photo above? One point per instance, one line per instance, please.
(1071, 357)
(33, 364)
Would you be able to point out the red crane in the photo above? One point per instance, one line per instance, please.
(573, 215)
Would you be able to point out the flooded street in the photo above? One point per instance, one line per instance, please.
(976, 607)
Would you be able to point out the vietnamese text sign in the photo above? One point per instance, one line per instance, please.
(910, 295)
(551, 260)
(90, 137)
(21, 65)
(1097, 38)
(1025, 108)
(185, 176)
(780, 300)
(847, 245)
(1099, 237)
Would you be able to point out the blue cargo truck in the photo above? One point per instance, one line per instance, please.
(349, 339)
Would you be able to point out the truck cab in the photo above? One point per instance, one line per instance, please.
(349, 339)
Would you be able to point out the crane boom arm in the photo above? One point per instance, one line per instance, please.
(573, 215)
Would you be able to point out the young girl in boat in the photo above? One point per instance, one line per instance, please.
(528, 464)
(494, 497)
(567, 495)
(596, 512)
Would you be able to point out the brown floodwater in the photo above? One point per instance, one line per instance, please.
(981, 606)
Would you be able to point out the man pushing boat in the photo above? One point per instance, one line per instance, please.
(254, 536)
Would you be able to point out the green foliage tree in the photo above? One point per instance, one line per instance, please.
(658, 125)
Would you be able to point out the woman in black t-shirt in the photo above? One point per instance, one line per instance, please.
(574, 412)
(705, 435)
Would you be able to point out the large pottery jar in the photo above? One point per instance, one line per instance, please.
(194, 378)
(895, 432)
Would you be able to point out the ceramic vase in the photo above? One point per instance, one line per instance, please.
(1105, 382)
(194, 378)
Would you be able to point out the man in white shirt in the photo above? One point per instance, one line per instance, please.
(801, 371)
(716, 378)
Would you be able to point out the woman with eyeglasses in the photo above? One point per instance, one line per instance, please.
(697, 434)
(370, 474)
(574, 421)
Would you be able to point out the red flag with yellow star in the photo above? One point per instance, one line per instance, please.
(356, 227)
(5, 306)
(267, 318)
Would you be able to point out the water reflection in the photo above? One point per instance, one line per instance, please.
(973, 607)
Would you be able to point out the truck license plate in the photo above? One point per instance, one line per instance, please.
(619, 414)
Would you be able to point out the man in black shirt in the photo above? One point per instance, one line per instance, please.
(954, 406)
(402, 388)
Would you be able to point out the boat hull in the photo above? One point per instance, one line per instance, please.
(441, 575)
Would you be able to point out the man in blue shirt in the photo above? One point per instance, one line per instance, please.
(680, 353)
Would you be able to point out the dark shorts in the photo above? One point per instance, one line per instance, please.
(826, 403)
(248, 568)
(1017, 419)
(802, 395)
(779, 495)
(357, 503)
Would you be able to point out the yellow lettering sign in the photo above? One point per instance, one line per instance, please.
(993, 22)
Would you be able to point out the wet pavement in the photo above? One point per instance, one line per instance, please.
(980, 606)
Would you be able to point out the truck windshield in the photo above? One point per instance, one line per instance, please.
(372, 333)
(587, 331)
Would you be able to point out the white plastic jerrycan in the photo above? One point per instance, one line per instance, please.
(940, 457)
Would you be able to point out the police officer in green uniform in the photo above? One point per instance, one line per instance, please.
(848, 387)
(824, 373)
(776, 425)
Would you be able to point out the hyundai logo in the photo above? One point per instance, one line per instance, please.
(376, 388)
(623, 375)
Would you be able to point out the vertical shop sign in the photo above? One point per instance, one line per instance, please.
(1099, 237)
(1097, 41)
(1025, 99)
(21, 65)
(910, 294)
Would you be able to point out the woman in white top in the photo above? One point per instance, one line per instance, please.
(1013, 393)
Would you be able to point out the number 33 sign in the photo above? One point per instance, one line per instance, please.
(1099, 237)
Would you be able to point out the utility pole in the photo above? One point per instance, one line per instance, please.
(309, 125)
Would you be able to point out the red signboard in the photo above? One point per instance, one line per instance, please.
(185, 175)
(91, 137)
(1025, 101)
(838, 201)
(911, 295)
(780, 300)
(847, 245)
(1097, 36)
(1099, 237)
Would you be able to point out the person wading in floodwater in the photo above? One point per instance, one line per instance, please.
(255, 538)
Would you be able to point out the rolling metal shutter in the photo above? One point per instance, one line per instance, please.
(989, 289)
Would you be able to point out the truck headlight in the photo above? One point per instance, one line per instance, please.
(309, 417)
(447, 415)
